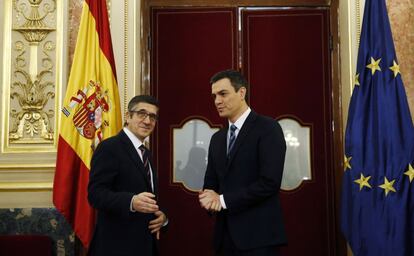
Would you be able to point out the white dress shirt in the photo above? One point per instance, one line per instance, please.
(137, 143)
(239, 123)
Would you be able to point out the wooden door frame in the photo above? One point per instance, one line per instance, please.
(337, 126)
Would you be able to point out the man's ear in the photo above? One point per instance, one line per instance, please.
(242, 91)
(127, 115)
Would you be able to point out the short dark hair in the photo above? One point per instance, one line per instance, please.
(142, 98)
(237, 80)
(138, 99)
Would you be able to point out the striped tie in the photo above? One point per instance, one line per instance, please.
(145, 160)
(232, 139)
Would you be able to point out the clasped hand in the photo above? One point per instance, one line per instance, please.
(209, 200)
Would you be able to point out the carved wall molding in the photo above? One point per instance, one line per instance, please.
(32, 75)
(32, 87)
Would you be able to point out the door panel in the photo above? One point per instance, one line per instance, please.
(286, 60)
(285, 56)
(188, 46)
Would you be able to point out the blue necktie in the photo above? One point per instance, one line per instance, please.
(232, 139)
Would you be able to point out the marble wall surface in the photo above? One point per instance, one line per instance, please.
(401, 13)
(75, 11)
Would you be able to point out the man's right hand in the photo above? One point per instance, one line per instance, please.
(144, 202)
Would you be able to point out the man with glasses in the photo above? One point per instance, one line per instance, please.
(123, 187)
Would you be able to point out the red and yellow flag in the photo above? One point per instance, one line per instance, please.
(91, 113)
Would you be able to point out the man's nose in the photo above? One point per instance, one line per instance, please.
(217, 100)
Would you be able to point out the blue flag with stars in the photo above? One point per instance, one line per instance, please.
(377, 206)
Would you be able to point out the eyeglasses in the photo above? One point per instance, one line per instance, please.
(142, 114)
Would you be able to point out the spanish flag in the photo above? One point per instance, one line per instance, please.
(90, 113)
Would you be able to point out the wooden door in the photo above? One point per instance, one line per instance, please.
(284, 53)
(286, 60)
(188, 46)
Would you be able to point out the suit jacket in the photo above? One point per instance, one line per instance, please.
(249, 180)
(117, 174)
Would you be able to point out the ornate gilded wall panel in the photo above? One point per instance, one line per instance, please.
(32, 75)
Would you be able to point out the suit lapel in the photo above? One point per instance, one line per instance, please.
(133, 154)
(246, 128)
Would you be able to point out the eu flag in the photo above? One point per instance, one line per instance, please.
(377, 215)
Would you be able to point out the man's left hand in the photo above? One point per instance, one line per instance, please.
(156, 224)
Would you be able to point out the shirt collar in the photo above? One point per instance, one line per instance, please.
(135, 141)
(239, 122)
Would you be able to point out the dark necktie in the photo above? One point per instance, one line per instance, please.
(145, 159)
(232, 139)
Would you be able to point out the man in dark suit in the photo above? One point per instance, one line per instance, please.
(123, 187)
(244, 173)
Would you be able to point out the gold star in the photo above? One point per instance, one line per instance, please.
(363, 182)
(356, 81)
(374, 65)
(388, 186)
(395, 68)
(410, 172)
(347, 163)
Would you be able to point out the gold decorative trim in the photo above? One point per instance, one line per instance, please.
(31, 123)
(358, 21)
(34, 29)
(309, 128)
(25, 186)
(348, 45)
(136, 42)
(174, 129)
(6, 73)
(30, 128)
(125, 54)
(19, 166)
(59, 70)
(109, 7)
